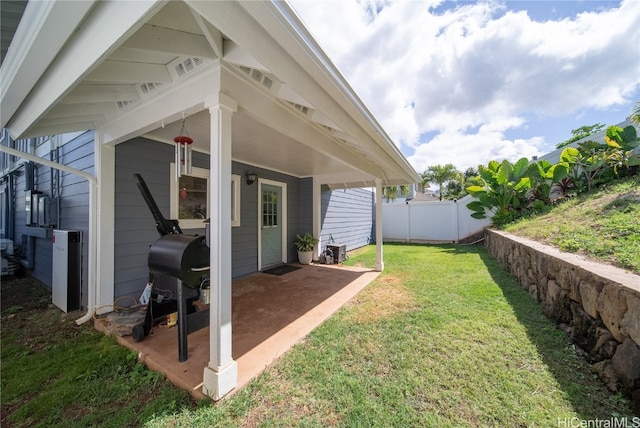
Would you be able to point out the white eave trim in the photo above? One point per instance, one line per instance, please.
(44, 28)
(103, 29)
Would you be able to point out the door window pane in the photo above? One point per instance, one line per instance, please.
(269, 208)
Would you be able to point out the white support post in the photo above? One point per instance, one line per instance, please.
(316, 194)
(379, 257)
(105, 161)
(221, 375)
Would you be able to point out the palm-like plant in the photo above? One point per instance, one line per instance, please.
(504, 192)
(635, 116)
(440, 175)
(391, 192)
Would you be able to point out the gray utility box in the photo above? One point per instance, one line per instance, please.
(339, 252)
(66, 286)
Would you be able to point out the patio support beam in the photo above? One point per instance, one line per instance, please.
(221, 375)
(379, 258)
(105, 167)
(316, 195)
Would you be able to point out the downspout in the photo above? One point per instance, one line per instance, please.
(93, 245)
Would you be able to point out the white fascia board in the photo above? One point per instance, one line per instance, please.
(266, 109)
(43, 30)
(286, 27)
(167, 104)
(106, 26)
(286, 48)
(322, 68)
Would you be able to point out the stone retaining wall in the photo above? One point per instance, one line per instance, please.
(598, 305)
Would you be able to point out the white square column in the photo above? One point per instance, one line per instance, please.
(221, 375)
(379, 256)
(316, 195)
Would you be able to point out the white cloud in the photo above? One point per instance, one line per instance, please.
(477, 71)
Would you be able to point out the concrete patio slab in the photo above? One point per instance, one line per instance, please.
(271, 313)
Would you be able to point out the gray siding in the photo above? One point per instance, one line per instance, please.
(74, 206)
(347, 217)
(245, 237)
(135, 228)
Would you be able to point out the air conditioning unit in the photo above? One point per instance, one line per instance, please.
(339, 252)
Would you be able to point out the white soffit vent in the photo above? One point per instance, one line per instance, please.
(123, 104)
(187, 65)
(259, 76)
(177, 68)
(303, 109)
(144, 89)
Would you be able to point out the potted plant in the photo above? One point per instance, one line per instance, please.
(304, 244)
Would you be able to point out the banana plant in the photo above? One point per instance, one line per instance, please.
(544, 176)
(621, 143)
(504, 192)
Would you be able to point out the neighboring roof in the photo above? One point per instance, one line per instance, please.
(102, 65)
(554, 156)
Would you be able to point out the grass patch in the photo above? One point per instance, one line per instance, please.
(602, 225)
(55, 373)
(444, 337)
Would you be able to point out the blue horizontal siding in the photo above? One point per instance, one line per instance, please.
(347, 217)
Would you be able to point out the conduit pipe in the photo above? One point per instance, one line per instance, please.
(92, 291)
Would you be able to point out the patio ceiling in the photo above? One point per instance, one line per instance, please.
(110, 65)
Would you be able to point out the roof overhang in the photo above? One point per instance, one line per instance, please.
(134, 68)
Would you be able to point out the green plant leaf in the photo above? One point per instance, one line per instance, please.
(504, 172)
(559, 171)
(612, 143)
(475, 190)
(486, 173)
(523, 184)
(569, 155)
(476, 206)
(520, 167)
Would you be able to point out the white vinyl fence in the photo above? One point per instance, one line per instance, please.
(446, 221)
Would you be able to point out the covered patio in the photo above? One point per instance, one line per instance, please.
(259, 94)
(270, 314)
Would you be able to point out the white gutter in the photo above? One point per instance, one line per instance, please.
(93, 247)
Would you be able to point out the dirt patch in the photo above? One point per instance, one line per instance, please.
(28, 313)
(387, 296)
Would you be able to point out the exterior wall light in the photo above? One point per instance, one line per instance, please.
(251, 177)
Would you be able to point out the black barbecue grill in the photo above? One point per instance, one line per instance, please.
(178, 266)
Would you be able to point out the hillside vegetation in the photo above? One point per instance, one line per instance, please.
(603, 224)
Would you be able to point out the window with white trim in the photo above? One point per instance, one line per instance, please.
(189, 198)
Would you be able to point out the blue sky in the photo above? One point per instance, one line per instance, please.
(466, 82)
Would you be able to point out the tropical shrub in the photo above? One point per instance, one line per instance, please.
(504, 193)
(544, 176)
(509, 191)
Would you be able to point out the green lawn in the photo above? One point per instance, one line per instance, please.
(444, 337)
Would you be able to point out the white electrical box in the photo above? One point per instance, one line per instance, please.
(66, 286)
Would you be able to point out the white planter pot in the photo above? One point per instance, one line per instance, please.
(305, 257)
